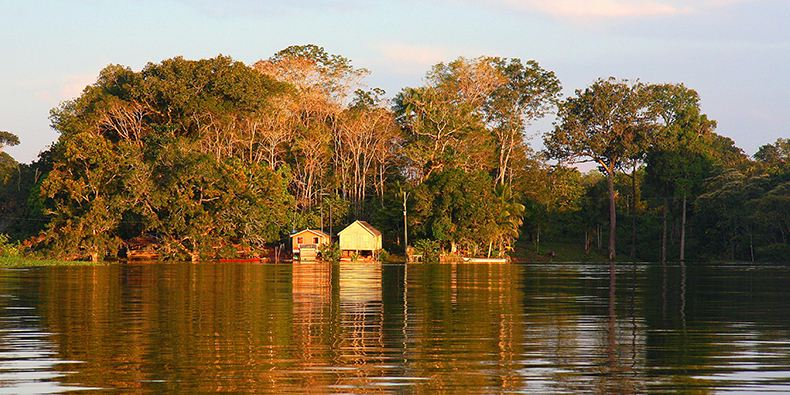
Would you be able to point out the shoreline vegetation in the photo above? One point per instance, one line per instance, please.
(200, 160)
(524, 253)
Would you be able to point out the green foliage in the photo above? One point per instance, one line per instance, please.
(382, 256)
(330, 252)
(8, 139)
(455, 207)
(209, 156)
(472, 114)
(775, 158)
(429, 249)
(21, 205)
(777, 252)
(18, 261)
(163, 149)
(8, 249)
(607, 123)
(724, 212)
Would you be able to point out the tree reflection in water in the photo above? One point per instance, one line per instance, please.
(422, 328)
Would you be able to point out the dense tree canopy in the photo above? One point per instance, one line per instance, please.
(163, 151)
(214, 158)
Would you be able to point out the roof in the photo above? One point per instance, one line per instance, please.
(313, 231)
(368, 227)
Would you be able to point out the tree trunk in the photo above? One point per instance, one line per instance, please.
(586, 240)
(612, 215)
(598, 235)
(683, 232)
(664, 235)
(633, 212)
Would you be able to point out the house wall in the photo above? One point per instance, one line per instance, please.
(358, 238)
(307, 239)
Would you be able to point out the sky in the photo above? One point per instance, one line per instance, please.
(734, 53)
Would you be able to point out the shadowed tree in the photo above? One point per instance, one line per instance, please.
(606, 123)
(679, 158)
(775, 158)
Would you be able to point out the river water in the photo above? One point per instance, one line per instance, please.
(359, 328)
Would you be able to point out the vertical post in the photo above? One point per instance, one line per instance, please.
(664, 235)
(633, 212)
(612, 213)
(683, 233)
(405, 227)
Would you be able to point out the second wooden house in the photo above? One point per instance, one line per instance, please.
(359, 240)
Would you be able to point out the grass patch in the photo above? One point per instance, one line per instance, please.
(9, 261)
(524, 250)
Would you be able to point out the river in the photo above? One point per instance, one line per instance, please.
(362, 328)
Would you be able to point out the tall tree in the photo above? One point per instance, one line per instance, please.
(443, 120)
(8, 139)
(679, 158)
(338, 133)
(606, 123)
(527, 94)
(472, 114)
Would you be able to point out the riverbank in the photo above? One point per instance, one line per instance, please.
(526, 251)
(8, 261)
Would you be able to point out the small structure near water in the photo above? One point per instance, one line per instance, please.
(359, 240)
(305, 244)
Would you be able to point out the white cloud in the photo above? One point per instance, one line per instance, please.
(411, 59)
(598, 8)
(65, 88)
(609, 9)
(234, 8)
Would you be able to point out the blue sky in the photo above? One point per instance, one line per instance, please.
(735, 53)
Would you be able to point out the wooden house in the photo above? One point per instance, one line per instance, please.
(359, 239)
(305, 244)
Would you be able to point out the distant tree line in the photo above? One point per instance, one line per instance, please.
(211, 157)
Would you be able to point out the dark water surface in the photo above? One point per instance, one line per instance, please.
(395, 329)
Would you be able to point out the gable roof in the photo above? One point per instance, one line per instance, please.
(368, 227)
(313, 231)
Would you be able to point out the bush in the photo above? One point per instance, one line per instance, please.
(779, 252)
(429, 249)
(330, 252)
(7, 249)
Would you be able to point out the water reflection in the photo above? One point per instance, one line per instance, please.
(372, 328)
(29, 362)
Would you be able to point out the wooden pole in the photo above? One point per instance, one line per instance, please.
(405, 227)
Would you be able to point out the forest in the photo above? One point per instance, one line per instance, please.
(210, 158)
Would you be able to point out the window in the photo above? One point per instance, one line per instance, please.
(315, 240)
(300, 240)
